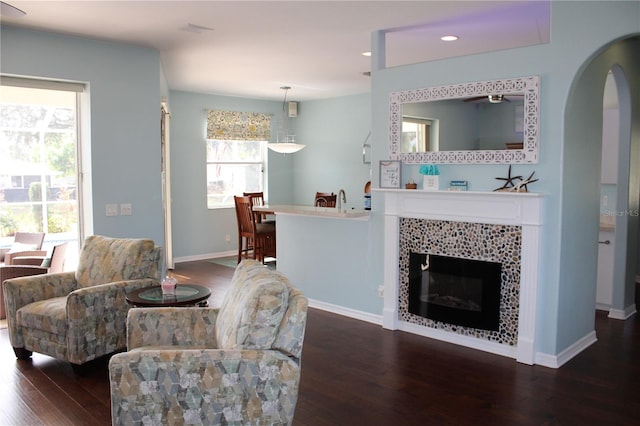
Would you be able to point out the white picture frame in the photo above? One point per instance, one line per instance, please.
(390, 174)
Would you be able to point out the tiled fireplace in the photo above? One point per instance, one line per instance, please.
(493, 228)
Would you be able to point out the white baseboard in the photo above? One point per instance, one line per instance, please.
(621, 314)
(205, 256)
(347, 312)
(557, 361)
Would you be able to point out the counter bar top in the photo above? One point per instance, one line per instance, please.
(329, 212)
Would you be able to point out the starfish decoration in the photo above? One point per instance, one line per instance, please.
(509, 181)
(511, 185)
(523, 184)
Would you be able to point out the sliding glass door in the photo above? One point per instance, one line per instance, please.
(39, 160)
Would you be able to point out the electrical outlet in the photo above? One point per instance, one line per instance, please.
(380, 291)
(126, 209)
(111, 210)
(227, 238)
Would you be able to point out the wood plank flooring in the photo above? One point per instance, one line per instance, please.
(356, 373)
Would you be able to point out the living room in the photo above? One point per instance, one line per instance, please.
(127, 84)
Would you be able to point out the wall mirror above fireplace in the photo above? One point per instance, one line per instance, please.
(483, 122)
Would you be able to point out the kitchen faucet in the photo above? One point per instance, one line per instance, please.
(342, 198)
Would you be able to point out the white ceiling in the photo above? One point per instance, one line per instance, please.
(251, 48)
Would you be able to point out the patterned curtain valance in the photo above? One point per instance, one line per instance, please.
(238, 125)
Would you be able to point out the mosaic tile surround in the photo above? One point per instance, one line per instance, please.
(477, 241)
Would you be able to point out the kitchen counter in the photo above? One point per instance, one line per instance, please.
(327, 212)
(326, 253)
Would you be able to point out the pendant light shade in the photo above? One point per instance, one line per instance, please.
(285, 147)
(289, 146)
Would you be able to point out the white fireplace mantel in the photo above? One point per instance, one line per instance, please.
(521, 209)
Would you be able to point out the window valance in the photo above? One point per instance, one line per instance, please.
(238, 125)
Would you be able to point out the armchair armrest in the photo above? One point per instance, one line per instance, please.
(187, 327)
(19, 292)
(100, 312)
(204, 386)
(24, 290)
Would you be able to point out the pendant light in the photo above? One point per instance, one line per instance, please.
(289, 146)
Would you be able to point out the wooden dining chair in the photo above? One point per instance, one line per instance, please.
(256, 240)
(325, 199)
(257, 198)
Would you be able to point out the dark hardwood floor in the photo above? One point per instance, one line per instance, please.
(356, 373)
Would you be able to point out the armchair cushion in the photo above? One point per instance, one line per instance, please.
(48, 315)
(45, 325)
(251, 313)
(104, 260)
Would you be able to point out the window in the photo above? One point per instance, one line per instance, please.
(236, 152)
(38, 159)
(416, 134)
(233, 167)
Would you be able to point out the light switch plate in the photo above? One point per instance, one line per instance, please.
(126, 209)
(111, 210)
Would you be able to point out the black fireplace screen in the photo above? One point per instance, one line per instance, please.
(456, 291)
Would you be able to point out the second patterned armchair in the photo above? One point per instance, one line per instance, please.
(79, 316)
(239, 364)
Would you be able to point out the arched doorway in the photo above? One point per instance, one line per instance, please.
(580, 185)
(615, 264)
(628, 201)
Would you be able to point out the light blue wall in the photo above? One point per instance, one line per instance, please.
(124, 84)
(327, 259)
(579, 30)
(197, 231)
(334, 131)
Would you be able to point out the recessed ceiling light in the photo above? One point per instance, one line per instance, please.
(366, 53)
(449, 38)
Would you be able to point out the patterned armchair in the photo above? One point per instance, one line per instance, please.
(79, 316)
(239, 364)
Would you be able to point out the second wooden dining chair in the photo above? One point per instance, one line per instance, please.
(325, 199)
(255, 240)
(257, 198)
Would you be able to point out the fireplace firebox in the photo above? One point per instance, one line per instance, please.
(457, 291)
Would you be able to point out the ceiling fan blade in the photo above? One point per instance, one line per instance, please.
(497, 100)
(474, 99)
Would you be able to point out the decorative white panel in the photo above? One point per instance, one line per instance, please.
(529, 86)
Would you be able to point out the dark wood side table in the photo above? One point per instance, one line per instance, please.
(186, 295)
